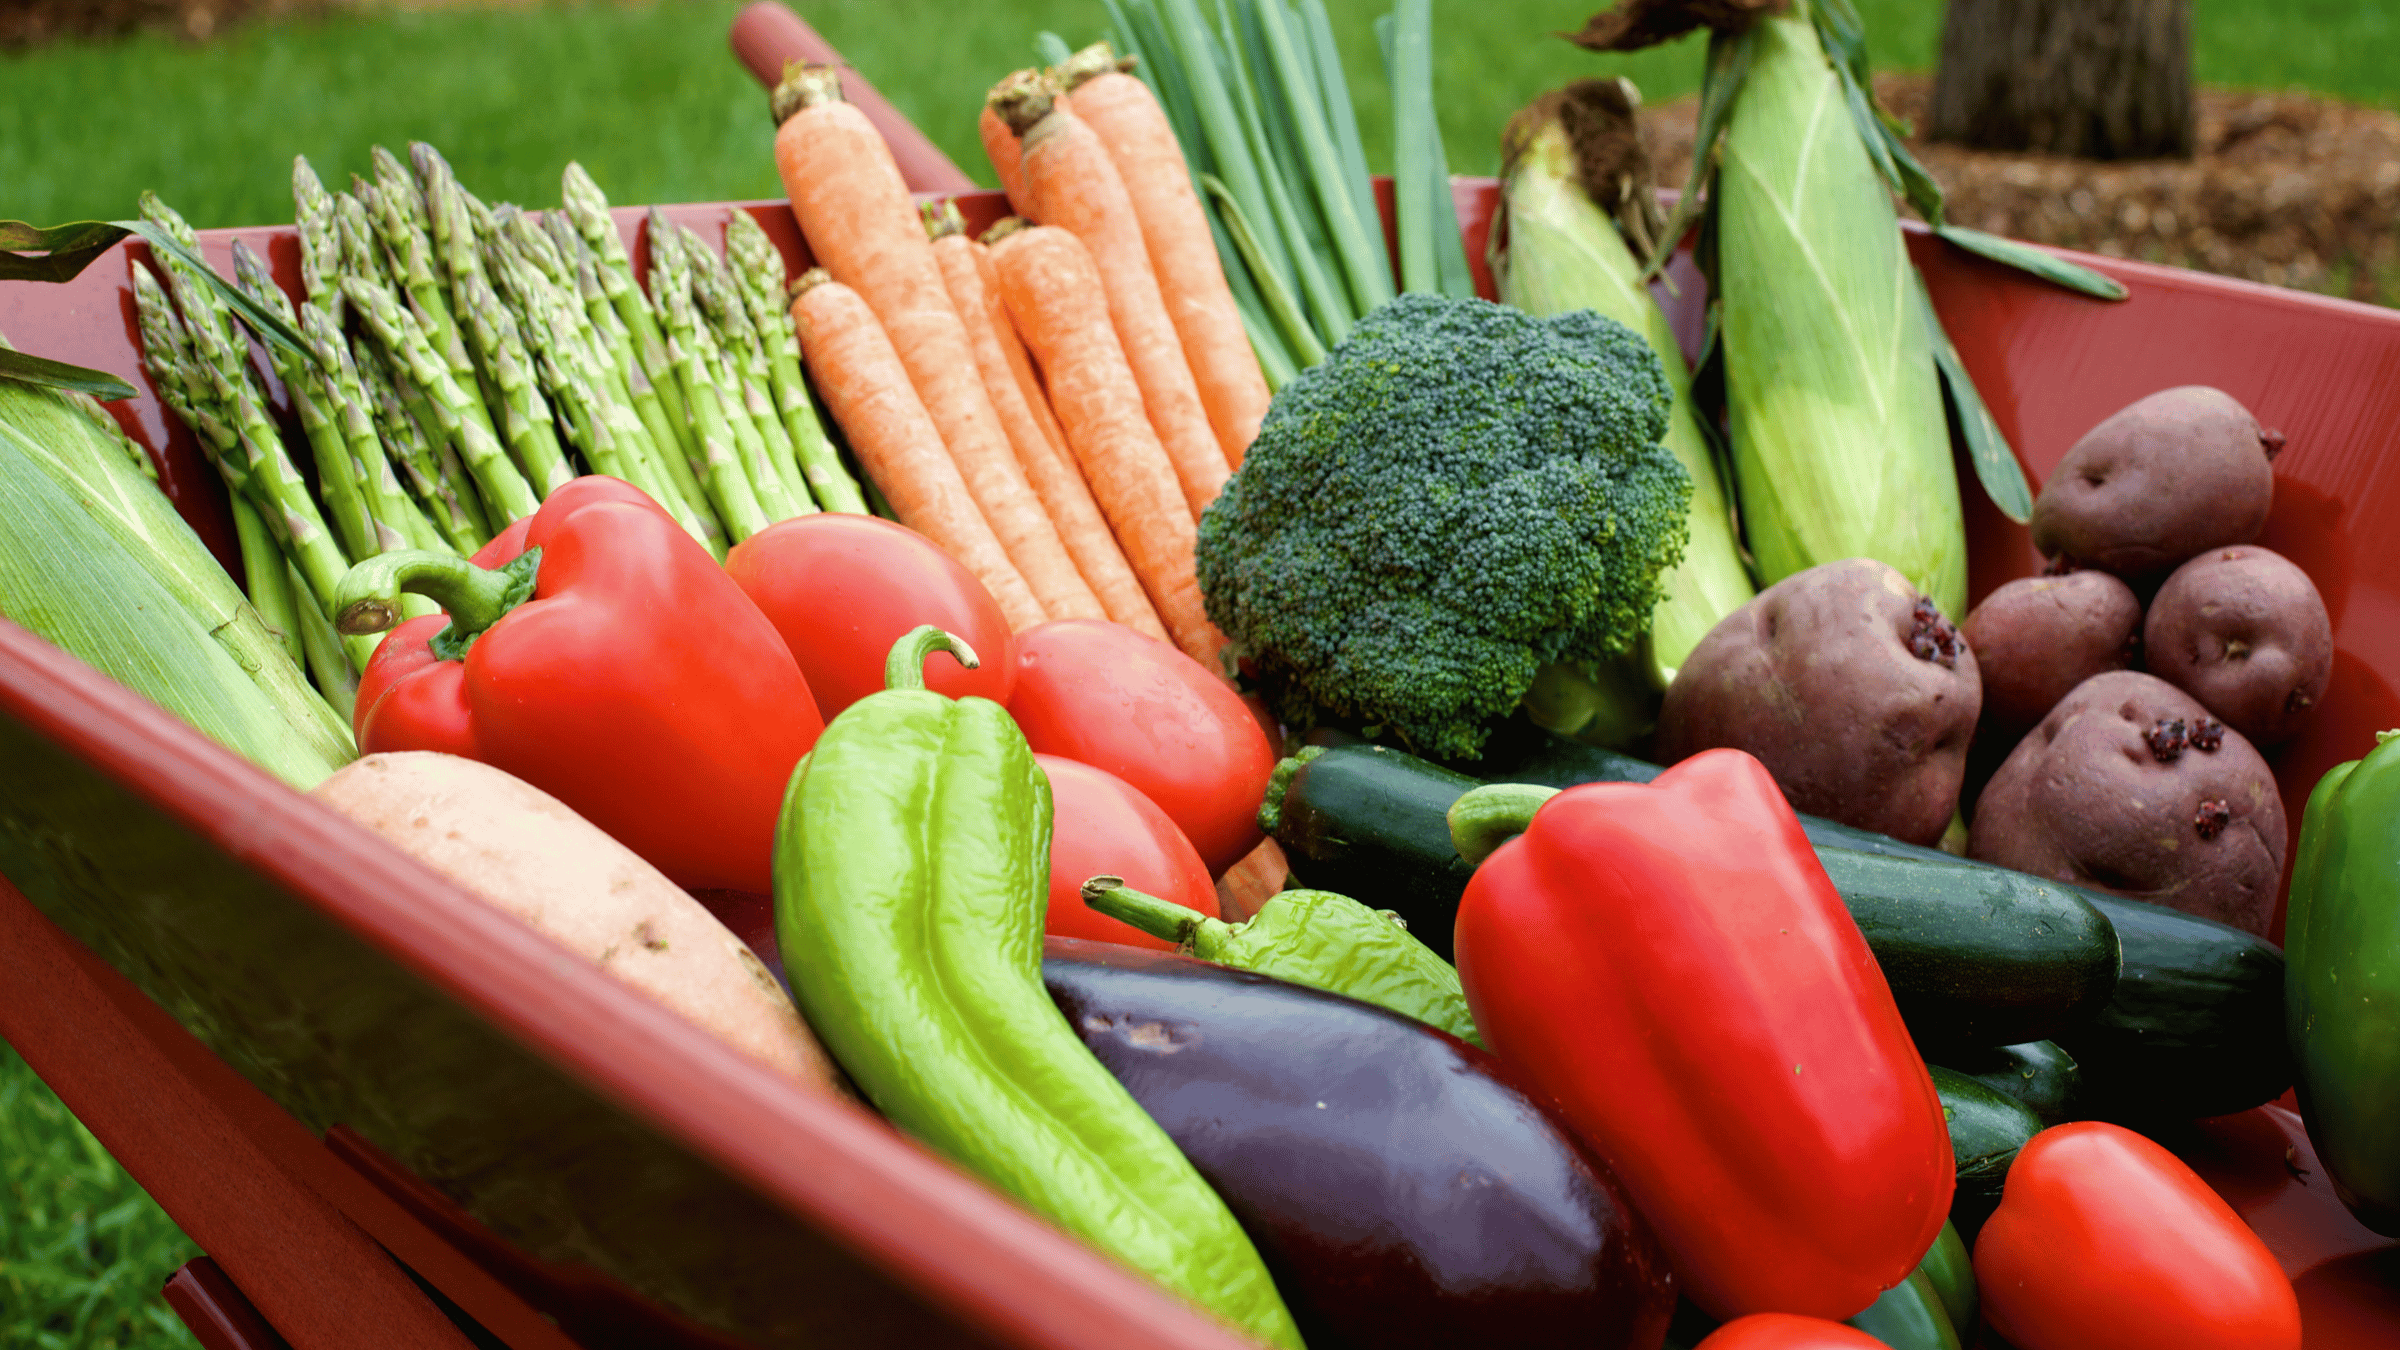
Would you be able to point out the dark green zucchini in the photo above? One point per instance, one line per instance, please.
(1952, 1271)
(1986, 1130)
(1910, 1316)
(1977, 955)
(1371, 823)
(2192, 1029)
(2038, 1074)
(2195, 1027)
(1974, 955)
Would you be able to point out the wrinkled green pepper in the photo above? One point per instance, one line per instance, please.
(1317, 938)
(2342, 983)
(911, 878)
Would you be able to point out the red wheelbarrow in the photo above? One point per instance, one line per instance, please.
(393, 1117)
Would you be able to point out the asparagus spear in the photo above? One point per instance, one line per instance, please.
(758, 275)
(411, 252)
(393, 178)
(460, 421)
(395, 520)
(719, 462)
(746, 361)
(449, 498)
(320, 249)
(637, 390)
(532, 432)
(313, 399)
(588, 209)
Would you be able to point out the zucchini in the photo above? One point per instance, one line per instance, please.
(1952, 1271)
(1977, 955)
(2038, 1074)
(2195, 1027)
(2192, 1029)
(1372, 823)
(1986, 1130)
(1974, 955)
(1909, 1316)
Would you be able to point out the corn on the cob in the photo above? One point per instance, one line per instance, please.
(1554, 249)
(71, 574)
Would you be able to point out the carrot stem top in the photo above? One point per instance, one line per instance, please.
(805, 85)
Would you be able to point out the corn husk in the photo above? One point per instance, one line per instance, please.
(1840, 445)
(99, 563)
(1554, 249)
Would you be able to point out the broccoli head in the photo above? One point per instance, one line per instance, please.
(1458, 495)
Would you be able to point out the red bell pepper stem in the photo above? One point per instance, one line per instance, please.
(1163, 919)
(905, 667)
(368, 600)
(1487, 817)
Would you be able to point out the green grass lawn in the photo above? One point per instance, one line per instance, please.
(82, 1249)
(651, 101)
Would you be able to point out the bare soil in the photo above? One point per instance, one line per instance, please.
(2285, 189)
(26, 24)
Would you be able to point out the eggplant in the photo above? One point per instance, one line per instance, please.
(1404, 1188)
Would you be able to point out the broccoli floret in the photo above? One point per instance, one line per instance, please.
(1459, 494)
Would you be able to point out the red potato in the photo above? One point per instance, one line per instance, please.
(2161, 480)
(1101, 826)
(1850, 687)
(2244, 631)
(2131, 787)
(843, 588)
(2036, 638)
(1104, 694)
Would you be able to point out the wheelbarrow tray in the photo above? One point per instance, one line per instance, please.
(626, 1175)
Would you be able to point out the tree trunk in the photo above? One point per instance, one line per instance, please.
(2095, 79)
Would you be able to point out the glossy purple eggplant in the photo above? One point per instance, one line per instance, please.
(1404, 1189)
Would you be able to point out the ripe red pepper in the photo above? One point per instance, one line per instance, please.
(2104, 1239)
(1669, 962)
(613, 665)
(1783, 1331)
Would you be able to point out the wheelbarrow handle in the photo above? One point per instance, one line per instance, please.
(766, 35)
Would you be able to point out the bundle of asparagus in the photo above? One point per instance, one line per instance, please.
(460, 362)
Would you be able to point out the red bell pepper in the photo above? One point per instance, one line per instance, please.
(1783, 1331)
(1669, 962)
(2106, 1241)
(613, 665)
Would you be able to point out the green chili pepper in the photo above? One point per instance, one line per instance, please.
(1325, 941)
(911, 879)
(2341, 946)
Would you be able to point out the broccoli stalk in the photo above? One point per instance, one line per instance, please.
(1458, 496)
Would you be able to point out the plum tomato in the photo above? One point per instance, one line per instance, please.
(1103, 826)
(1110, 697)
(843, 588)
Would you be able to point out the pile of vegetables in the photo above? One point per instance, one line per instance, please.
(1176, 469)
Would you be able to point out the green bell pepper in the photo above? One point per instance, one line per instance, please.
(2342, 981)
(912, 870)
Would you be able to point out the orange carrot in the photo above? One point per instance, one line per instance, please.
(1000, 146)
(1055, 478)
(1054, 297)
(1075, 186)
(852, 364)
(1183, 253)
(859, 221)
(1012, 348)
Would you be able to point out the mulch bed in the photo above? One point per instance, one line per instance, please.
(2286, 189)
(30, 23)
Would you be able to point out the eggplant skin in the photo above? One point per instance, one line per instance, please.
(1403, 1188)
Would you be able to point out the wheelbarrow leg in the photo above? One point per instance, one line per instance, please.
(315, 1276)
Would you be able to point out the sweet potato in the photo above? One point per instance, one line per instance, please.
(520, 849)
(2131, 787)
(1849, 686)
(2244, 631)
